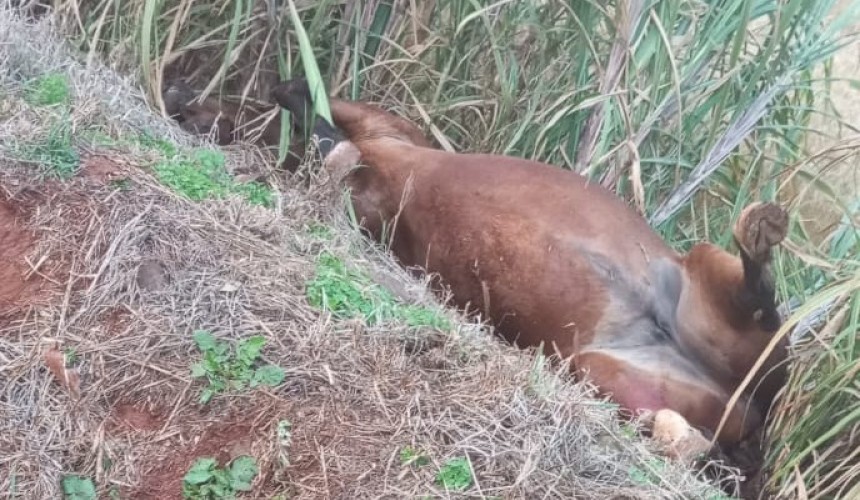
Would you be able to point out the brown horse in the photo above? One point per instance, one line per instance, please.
(557, 261)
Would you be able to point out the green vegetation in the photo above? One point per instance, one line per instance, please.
(165, 147)
(201, 175)
(229, 370)
(414, 457)
(71, 356)
(55, 152)
(206, 481)
(49, 90)
(825, 382)
(688, 110)
(197, 174)
(456, 474)
(350, 293)
(320, 231)
(78, 488)
(649, 473)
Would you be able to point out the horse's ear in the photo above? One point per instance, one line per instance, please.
(176, 96)
(760, 227)
(295, 96)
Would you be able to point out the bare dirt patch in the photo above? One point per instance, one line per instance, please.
(19, 285)
(221, 440)
(103, 168)
(136, 416)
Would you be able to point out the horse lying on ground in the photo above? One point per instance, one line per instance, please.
(556, 261)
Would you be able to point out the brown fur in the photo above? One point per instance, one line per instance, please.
(552, 259)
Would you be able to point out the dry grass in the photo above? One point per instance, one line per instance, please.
(835, 137)
(355, 394)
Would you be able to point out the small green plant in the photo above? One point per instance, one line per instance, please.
(55, 152)
(256, 193)
(416, 316)
(228, 369)
(320, 231)
(121, 184)
(206, 481)
(71, 355)
(201, 175)
(78, 488)
(649, 473)
(193, 178)
(149, 141)
(49, 90)
(412, 456)
(350, 293)
(715, 494)
(628, 431)
(98, 138)
(456, 474)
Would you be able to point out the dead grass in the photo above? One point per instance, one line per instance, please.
(355, 395)
(836, 135)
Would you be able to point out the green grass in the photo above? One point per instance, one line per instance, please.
(228, 369)
(165, 147)
(649, 473)
(410, 456)
(201, 175)
(455, 475)
(71, 356)
(320, 231)
(349, 293)
(206, 481)
(55, 153)
(96, 137)
(49, 90)
(78, 488)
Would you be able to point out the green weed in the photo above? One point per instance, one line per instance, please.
(206, 481)
(349, 293)
(71, 356)
(55, 152)
(121, 184)
(649, 473)
(163, 146)
(256, 193)
(192, 178)
(201, 175)
(49, 90)
(412, 456)
(98, 138)
(320, 231)
(227, 369)
(456, 474)
(78, 488)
